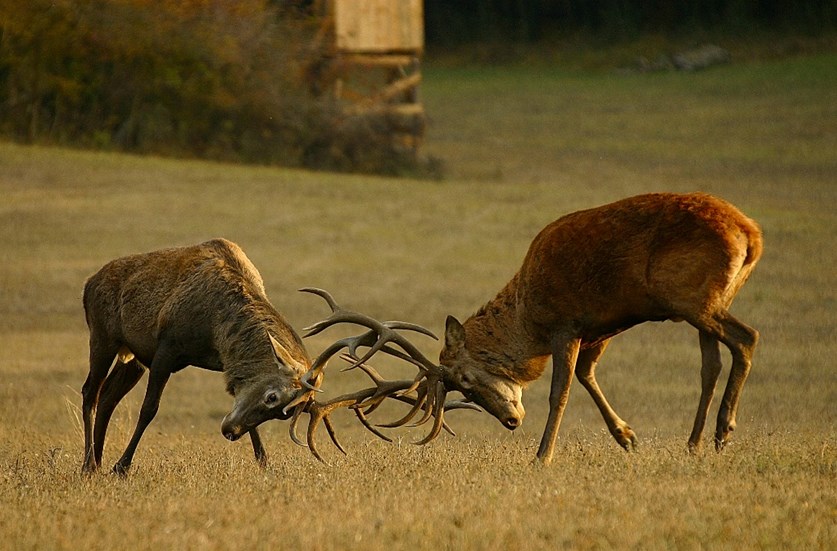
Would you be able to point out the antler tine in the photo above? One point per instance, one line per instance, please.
(381, 337)
(407, 326)
(387, 350)
(331, 434)
(438, 413)
(324, 294)
(384, 388)
(336, 308)
(430, 402)
(294, 421)
(448, 405)
(417, 403)
(435, 407)
(433, 404)
(387, 331)
(301, 399)
(318, 365)
(410, 349)
(338, 313)
(352, 344)
(320, 413)
(365, 422)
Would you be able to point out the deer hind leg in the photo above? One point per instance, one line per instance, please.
(710, 370)
(741, 341)
(585, 370)
(101, 359)
(121, 380)
(161, 369)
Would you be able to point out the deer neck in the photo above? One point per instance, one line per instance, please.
(499, 336)
(242, 336)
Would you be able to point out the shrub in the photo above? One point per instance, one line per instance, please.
(208, 78)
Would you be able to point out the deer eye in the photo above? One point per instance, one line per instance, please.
(271, 398)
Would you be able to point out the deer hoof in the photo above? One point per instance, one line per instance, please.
(626, 438)
(723, 435)
(121, 470)
(262, 461)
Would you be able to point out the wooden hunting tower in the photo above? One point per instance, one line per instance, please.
(372, 50)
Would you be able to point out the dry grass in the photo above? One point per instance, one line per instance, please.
(535, 147)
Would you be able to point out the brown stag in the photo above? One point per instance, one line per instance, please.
(203, 305)
(206, 306)
(593, 274)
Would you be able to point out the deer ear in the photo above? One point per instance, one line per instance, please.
(284, 356)
(454, 334)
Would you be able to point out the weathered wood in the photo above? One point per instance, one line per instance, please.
(401, 109)
(398, 87)
(379, 25)
(391, 60)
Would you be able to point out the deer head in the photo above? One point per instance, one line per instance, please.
(499, 395)
(265, 394)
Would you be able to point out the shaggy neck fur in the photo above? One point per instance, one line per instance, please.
(496, 337)
(242, 335)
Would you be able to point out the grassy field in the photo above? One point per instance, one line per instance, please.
(522, 146)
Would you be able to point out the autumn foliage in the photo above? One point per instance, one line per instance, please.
(207, 78)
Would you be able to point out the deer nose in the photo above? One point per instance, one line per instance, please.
(231, 435)
(511, 423)
(231, 431)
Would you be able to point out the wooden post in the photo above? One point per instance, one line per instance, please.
(375, 66)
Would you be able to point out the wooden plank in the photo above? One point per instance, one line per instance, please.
(406, 109)
(383, 60)
(379, 25)
(398, 87)
(401, 109)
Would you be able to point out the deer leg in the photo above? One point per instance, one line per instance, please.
(258, 448)
(101, 358)
(741, 341)
(585, 370)
(121, 380)
(564, 356)
(159, 373)
(710, 352)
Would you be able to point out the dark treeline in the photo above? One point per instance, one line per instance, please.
(463, 21)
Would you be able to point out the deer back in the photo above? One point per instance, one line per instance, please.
(650, 257)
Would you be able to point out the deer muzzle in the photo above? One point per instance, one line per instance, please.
(231, 429)
(511, 416)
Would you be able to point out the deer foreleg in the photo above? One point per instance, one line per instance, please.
(258, 448)
(564, 356)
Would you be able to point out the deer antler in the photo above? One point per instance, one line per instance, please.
(428, 386)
